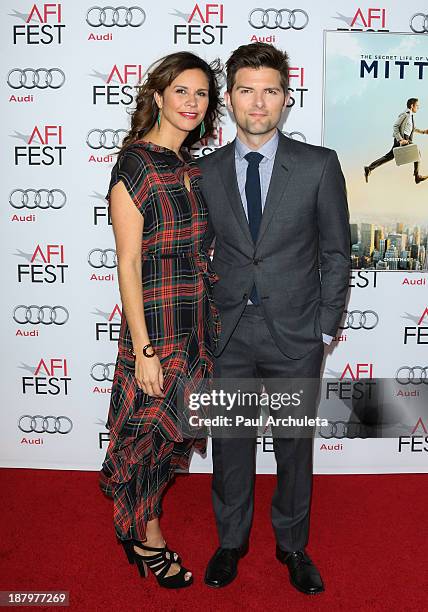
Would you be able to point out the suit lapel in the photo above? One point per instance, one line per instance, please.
(282, 170)
(227, 172)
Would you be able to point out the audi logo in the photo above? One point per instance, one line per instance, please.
(104, 139)
(419, 23)
(102, 372)
(121, 16)
(46, 315)
(416, 375)
(35, 78)
(37, 198)
(99, 258)
(296, 136)
(342, 429)
(360, 319)
(45, 424)
(284, 19)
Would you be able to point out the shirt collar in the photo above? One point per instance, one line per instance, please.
(267, 150)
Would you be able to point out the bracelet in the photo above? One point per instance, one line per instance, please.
(145, 353)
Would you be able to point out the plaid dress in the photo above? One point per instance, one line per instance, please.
(147, 444)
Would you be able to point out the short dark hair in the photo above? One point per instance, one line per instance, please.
(412, 101)
(257, 55)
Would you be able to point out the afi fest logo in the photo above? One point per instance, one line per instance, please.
(418, 333)
(43, 147)
(49, 377)
(42, 25)
(364, 20)
(46, 265)
(362, 279)
(415, 443)
(296, 77)
(100, 212)
(109, 328)
(204, 25)
(355, 382)
(119, 85)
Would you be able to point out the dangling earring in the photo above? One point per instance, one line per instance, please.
(202, 130)
(159, 118)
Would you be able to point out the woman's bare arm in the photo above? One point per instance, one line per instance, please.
(128, 224)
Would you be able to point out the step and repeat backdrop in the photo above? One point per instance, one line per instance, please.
(69, 72)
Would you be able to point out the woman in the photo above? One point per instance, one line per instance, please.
(159, 219)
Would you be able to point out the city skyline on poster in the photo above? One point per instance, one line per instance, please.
(368, 78)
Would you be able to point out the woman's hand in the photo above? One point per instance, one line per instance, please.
(149, 375)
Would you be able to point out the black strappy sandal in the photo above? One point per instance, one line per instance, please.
(158, 563)
(128, 547)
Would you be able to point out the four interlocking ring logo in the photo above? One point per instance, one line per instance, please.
(102, 258)
(46, 315)
(102, 372)
(360, 319)
(342, 429)
(412, 375)
(104, 139)
(284, 19)
(419, 23)
(35, 78)
(45, 424)
(37, 198)
(120, 16)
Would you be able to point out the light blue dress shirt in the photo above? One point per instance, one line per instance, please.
(268, 150)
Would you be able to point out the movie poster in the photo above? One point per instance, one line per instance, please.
(368, 80)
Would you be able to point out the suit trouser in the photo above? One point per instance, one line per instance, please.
(250, 353)
(390, 155)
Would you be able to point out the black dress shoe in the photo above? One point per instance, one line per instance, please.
(419, 178)
(223, 566)
(304, 576)
(367, 173)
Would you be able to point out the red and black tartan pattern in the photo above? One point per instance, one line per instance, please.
(147, 444)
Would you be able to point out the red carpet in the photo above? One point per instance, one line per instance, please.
(368, 538)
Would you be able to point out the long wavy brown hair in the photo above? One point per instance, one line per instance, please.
(161, 74)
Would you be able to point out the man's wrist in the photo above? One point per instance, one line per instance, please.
(327, 339)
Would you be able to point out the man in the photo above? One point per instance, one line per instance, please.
(277, 209)
(403, 131)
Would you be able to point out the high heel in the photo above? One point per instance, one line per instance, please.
(159, 564)
(128, 547)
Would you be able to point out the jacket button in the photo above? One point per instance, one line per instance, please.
(256, 261)
(245, 296)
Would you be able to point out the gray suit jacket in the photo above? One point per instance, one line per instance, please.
(398, 130)
(304, 227)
